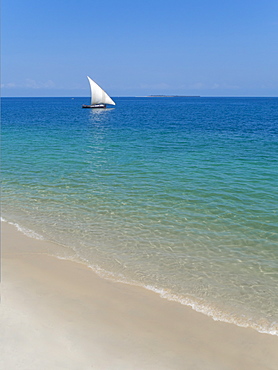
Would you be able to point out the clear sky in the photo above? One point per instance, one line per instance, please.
(140, 47)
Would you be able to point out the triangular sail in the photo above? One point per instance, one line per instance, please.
(99, 96)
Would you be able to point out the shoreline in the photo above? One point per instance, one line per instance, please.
(64, 252)
(57, 313)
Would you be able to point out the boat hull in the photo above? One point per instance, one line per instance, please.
(94, 106)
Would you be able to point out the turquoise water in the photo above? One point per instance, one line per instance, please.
(176, 194)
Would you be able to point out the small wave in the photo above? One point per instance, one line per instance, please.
(262, 327)
(24, 230)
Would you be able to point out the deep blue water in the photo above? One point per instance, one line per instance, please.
(176, 194)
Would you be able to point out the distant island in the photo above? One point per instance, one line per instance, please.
(173, 96)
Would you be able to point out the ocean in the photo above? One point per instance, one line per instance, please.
(176, 194)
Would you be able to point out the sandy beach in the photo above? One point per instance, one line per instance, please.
(58, 314)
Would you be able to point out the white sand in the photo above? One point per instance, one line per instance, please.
(58, 314)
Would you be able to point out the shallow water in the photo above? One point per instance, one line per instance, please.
(176, 194)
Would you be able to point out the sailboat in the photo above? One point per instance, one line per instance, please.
(99, 98)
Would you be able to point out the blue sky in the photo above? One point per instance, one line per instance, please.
(137, 48)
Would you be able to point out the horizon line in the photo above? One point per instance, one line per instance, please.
(150, 96)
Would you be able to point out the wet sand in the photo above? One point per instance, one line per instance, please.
(59, 314)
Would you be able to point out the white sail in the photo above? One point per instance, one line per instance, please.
(99, 96)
